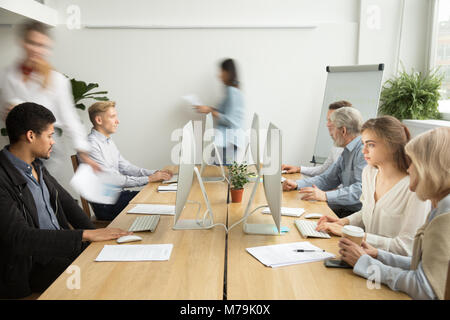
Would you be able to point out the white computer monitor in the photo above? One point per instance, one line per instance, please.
(208, 142)
(185, 178)
(271, 173)
(253, 146)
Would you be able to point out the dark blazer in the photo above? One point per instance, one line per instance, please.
(22, 243)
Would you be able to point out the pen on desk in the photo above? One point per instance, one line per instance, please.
(303, 250)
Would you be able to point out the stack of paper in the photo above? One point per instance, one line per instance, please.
(285, 211)
(285, 255)
(135, 252)
(170, 188)
(153, 209)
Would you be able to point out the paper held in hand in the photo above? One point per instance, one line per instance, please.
(95, 187)
(193, 100)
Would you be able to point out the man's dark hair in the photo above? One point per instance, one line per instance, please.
(339, 104)
(27, 116)
(33, 26)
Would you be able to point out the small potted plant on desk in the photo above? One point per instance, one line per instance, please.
(238, 178)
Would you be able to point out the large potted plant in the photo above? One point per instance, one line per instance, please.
(238, 178)
(412, 96)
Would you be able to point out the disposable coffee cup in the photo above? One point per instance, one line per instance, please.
(355, 234)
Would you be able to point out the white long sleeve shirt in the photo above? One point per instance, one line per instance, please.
(391, 222)
(57, 97)
(316, 170)
(105, 153)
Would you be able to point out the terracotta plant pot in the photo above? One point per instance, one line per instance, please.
(236, 195)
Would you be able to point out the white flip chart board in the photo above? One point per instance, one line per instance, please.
(360, 85)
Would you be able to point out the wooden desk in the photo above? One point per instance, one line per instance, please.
(247, 278)
(195, 269)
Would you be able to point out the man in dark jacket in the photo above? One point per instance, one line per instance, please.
(42, 229)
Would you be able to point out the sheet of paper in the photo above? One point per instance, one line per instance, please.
(135, 252)
(284, 254)
(193, 100)
(95, 187)
(285, 211)
(153, 209)
(169, 188)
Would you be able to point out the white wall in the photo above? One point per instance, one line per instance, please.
(282, 71)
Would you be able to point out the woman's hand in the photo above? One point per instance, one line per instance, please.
(350, 251)
(331, 227)
(370, 250)
(203, 109)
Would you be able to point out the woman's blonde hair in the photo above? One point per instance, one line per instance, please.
(430, 154)
(99, 107)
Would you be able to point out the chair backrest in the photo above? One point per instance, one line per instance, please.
(84, 202)
(447, 287)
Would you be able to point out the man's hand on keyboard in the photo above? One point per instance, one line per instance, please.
(160, 176)
(313, 193)
(104, 234)
(290, 169)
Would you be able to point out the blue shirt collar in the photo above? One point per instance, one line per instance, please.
(444, 205)
(100, 136)
(18, 163)
(353, 144)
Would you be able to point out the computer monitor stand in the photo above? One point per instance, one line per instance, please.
(214, 179)
(257, 228)
(198, 224)
(251, 179)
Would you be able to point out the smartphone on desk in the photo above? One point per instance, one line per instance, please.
(336, 263)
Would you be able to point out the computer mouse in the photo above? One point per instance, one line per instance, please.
(129, 238)
(313, 216)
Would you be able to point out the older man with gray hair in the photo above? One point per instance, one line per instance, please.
(345, 130)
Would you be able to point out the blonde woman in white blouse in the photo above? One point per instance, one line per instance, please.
(390, 213)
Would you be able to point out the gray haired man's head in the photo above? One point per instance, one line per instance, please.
(348, 118)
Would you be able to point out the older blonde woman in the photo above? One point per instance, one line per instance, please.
(422, 276)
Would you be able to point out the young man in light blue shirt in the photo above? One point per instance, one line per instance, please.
(103, 116)
(345, 130)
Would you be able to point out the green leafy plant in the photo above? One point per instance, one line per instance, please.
(238, 175)
(412, 96)
(81, 91)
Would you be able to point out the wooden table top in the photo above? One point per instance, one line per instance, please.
(197, 263)
(195, 269)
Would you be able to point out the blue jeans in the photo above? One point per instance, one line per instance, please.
(110, 211)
